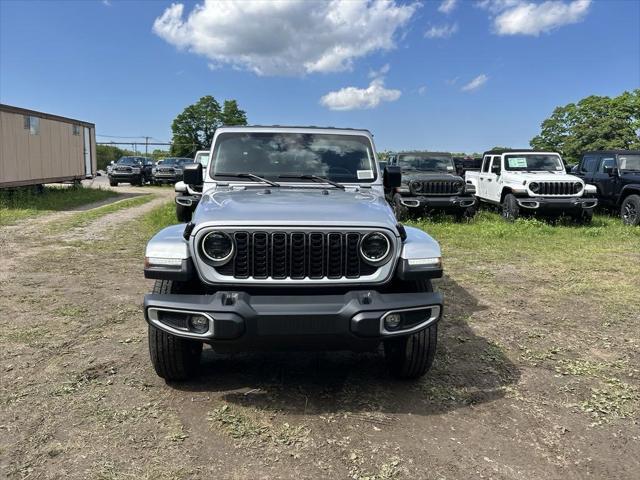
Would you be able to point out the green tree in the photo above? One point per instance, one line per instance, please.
(232, 115)
(594, 123)
(193, 129)
(105, 154)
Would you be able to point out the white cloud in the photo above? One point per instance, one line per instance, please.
(442, 31)
(520, 17)
(447, 6)
(285, 37)
(476, 83)
(380, 72)
(353, 98)
(106, 3)
(422, 90)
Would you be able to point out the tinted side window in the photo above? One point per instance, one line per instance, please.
(589, 163)
(495, 166)
(607, 162)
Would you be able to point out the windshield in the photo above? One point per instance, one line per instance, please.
(128, 161)
(340, 158)
(629, 162)
(426, 163)
(529, 162)
(202, 158)
(175, 161)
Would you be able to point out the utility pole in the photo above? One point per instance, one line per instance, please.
(146, 146)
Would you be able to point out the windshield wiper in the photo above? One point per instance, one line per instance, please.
(251, 176)
(315, 178)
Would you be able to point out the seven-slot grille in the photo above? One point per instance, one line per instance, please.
(558, 188)
(165, 170)
(437, 187)
(296, 255)
(123, 169)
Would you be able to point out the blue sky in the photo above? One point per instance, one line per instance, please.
(397, 68)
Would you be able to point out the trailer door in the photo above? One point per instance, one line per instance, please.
(87, 153)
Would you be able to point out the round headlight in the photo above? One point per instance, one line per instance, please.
(458, 185)
(416, 186)
(577, 186)
(217, 247)
(534, 187)
(375, 247)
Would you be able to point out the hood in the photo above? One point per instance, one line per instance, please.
(295, 206)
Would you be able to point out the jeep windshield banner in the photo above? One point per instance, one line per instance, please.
(534, 162)
(340, 158)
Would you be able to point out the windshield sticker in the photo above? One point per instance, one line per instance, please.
(449, 167)
(517, 162)
(365, 174)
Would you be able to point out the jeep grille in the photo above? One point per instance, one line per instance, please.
(437, 187)
(296, 255)
(558, 188)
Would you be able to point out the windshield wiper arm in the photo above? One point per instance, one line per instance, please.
(315, 178)
(251, 176)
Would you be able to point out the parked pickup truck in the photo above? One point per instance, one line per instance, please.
(187, 197)
(530, 181)
(616, 176)
(430, 184)
(133, 170)
(170, 170)
(292, 246)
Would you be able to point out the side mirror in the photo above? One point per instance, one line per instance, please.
(113, 162)
(192, 174)
(392, 177)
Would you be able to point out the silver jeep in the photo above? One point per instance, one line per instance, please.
(292, 246)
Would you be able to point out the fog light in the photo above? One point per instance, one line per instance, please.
(392, 321)
(198, 323)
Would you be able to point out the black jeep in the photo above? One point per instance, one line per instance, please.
(133, 170)
(616, 175)
(430, 184)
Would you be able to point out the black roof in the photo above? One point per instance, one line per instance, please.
(423, 152)
(615, 152)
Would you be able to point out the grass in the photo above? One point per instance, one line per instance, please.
(19, 204)
(81, 219)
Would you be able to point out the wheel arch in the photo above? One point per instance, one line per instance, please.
(630, 189)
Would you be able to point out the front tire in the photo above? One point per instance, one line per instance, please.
(584, 218)
(510, 208)
(113, 183)
(173, 358)
(630, 210)
(410, 357)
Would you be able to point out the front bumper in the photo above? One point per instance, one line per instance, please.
(444, 202)
(125, 177)
(168, 178)
(547, 203)
(239, 321)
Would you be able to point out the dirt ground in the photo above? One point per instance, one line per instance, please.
(525, 385)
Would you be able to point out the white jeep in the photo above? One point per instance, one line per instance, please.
(530, 181)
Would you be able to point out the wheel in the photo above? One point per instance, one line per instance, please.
(584, 217)
(173, 358)
(401, 212)
(630, 210)
(510, 208)
(183, 213)
(466, 214)
(113, 183)
(411, 357)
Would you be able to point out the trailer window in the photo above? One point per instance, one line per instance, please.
(32, 124)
